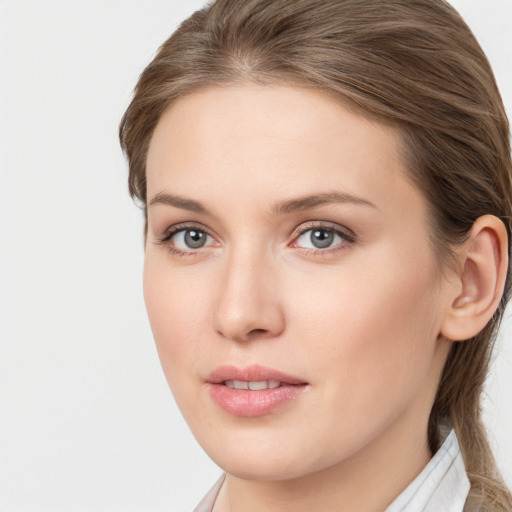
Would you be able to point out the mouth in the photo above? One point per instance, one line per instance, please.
(255, 375)
(252, 385)
(254, 390)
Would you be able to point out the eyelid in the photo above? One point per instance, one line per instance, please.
(347, 233)
(166, 238)
(347, 239)
(183, 226)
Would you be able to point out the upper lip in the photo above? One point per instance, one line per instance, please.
(253, 373)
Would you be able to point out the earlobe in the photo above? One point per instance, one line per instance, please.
(483, 267)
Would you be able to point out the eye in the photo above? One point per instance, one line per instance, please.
(322, 238)
(190, 239)
(186, 239)
(318, 238)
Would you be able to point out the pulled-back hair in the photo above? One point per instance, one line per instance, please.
(411, 63)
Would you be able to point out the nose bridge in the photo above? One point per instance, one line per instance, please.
(248, 304)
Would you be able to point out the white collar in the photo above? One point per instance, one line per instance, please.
(442, 485)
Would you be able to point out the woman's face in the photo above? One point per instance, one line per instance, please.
(288, 253)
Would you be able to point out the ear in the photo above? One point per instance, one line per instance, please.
(483, 260)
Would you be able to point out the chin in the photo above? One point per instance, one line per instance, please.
(264, 459)
(250, 469)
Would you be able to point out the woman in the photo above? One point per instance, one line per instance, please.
(327, 193)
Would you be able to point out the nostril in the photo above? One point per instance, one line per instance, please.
(256, 333)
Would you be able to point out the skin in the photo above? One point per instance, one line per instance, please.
(359, 321)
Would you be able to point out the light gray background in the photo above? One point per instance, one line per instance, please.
(86, 420)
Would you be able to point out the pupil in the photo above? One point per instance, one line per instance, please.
(321, 238)
(195, 239)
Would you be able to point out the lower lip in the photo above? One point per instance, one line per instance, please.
(253, 403)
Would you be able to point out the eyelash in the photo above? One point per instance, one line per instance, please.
(348, 237)
(173, 230)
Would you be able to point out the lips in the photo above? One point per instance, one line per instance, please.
(253, 390)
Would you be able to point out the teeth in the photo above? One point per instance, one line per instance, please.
(253, 386)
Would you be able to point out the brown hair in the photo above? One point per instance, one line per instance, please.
(413, 63)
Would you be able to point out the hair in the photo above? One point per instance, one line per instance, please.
(414, 64)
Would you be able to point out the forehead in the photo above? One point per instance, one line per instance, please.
(274, 141)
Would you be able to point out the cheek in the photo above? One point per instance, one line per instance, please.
(394, 297)
(374, 329)
(173, 311)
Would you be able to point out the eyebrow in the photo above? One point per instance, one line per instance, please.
(281, 208)
(311, 201)
(179, 202)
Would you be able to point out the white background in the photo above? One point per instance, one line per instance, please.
(86, 420)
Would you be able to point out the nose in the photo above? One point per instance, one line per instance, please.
(248, 306)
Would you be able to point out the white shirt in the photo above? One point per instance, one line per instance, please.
(442, 486)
